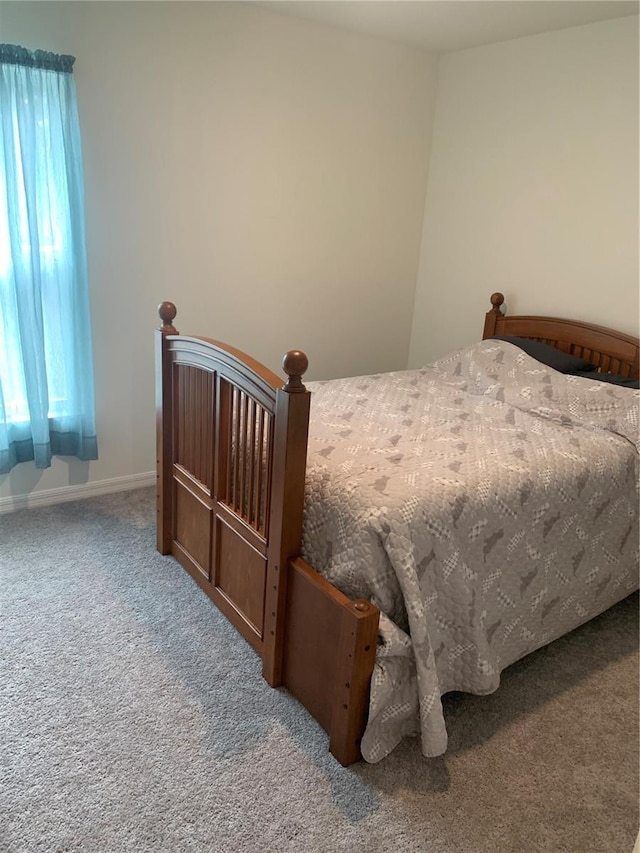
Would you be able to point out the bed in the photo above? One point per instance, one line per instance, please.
(420, 532)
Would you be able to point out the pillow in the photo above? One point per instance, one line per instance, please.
(552, 357)
(625, 381)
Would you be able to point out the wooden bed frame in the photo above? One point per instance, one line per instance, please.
(611, 351)
(231, 460)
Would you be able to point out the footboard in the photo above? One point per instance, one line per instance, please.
(231, 459)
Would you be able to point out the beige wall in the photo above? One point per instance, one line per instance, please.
(533, 185)
(266, 174)
(258, 169)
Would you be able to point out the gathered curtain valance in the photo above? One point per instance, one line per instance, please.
(14, 54)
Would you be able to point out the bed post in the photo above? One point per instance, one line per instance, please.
(491, 317)
(358, 644)
(164, 427)
(291, 427)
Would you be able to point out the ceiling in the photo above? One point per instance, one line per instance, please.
(445, 25)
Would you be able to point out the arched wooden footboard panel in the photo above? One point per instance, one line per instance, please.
(231, 458)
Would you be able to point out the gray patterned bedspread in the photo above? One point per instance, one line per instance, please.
(486, 503)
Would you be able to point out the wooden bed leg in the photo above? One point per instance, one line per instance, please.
(164, 429)
(358, 642)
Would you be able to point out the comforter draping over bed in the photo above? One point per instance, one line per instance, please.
(486, 503)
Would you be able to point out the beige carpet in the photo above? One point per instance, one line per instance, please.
(134, 718)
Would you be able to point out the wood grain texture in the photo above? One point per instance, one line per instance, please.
(285, 519)
(329, 656)
(232, 444)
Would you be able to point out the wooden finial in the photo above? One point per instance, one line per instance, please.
(493, 316)
(167, 312)
(294, 365)
(496, 301)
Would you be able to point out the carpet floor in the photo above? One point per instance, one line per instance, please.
(134, 718)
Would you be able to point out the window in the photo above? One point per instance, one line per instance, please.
(46, 372)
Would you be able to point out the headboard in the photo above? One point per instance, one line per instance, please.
(611, 351)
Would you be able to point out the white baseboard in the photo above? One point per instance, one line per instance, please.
(73, 493)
